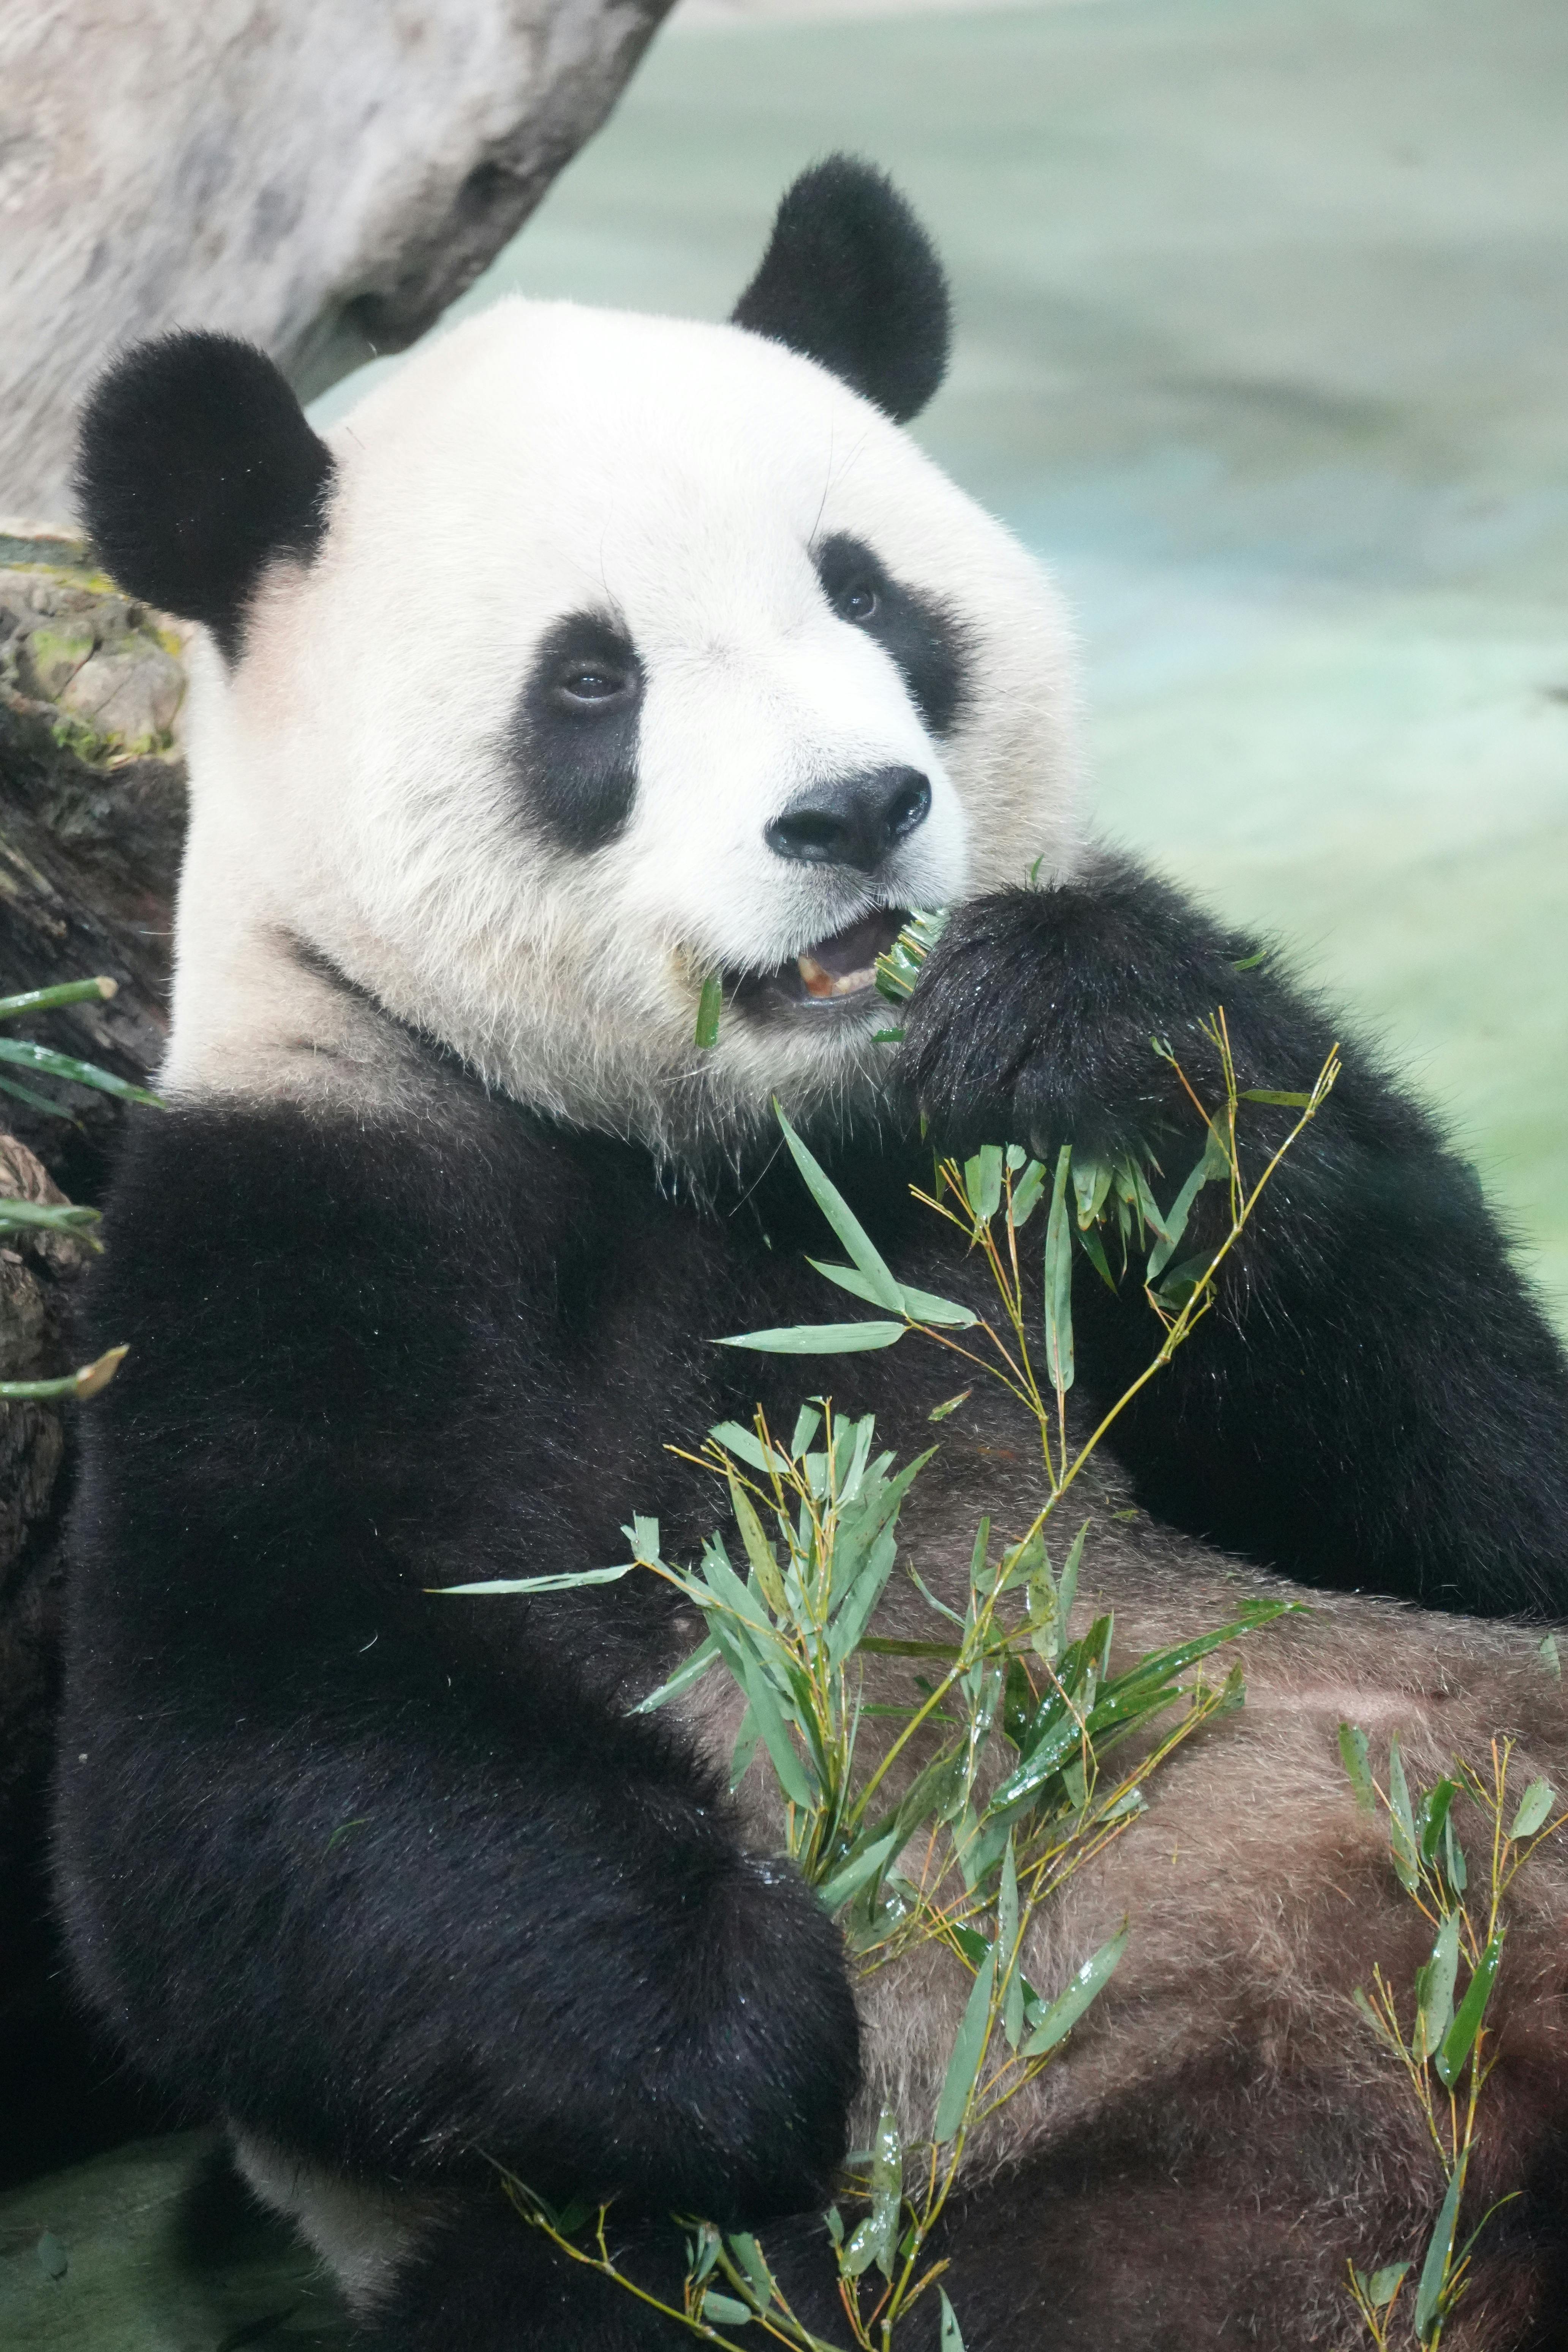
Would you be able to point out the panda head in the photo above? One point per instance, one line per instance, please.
(593, 654)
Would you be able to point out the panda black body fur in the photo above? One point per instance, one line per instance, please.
(422, 1281)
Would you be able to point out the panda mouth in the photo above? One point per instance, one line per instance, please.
(837, 970)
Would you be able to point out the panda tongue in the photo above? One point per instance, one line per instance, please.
(846, 963)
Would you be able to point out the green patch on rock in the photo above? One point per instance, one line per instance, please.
(102, 676)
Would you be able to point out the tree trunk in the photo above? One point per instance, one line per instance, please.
(321, 180)
(92, 798)
(92, 812)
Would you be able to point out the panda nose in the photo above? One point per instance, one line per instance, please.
(854, 820)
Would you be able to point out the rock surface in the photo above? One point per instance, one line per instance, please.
(156, 2249)
(321, 180)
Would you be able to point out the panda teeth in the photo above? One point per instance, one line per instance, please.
(820, 983)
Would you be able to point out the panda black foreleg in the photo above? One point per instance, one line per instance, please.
(1379, 1402)
(489, 2283)
(401, 1934)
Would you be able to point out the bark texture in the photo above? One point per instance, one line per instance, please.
(323, 180)
(92, 812)
(92, 799)
(58, 2094)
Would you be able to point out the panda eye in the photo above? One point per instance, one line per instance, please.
(858, 600)
(592, 682)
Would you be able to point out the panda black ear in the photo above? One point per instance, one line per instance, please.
(851, 279)
(194, 468)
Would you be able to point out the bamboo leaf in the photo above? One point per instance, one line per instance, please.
(1429, 2287)
(1533, 1807)
(739, 1605)
(709, 1004)
(736, 1439)
(948, 1314)
(66, 1066)
(781, 1750)
(1215, 1161)
(1083, 1987)
(1435, 1989)
(696, 1666)
(808, 1420)
(1460, 2037)
(851, 1620)
(1006, 1945)
(899, 969)
(764, 1566)
(1026, 1194)
(568, 1583)
(1181, 1281)
(1432, 1817)
(968, 2053)
(1402, 1825)
(1091, 1183)
(1381, 2287)
(887, 2189)
(1066, 1588)
(746, 1742)
(853, 1875)
(1058, 1281)
(1453, 1865)
(860, 2250)
(1132, 1172)
(819, 1338)
(983, 1182)
(1353, 1754)
(1094, 1250)
(754, 2262)
(1547, 1651)
(1062, 1738)
(1272, 1094)
(951, 2337)
(843, 1220)
(34, 1101)
(47, 1216)
(920, 1305)
(725, 2310)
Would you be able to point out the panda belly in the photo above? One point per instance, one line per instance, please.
(1257, 1895)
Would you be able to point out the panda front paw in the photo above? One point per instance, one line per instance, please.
(763, 2058)
(1036, 1014)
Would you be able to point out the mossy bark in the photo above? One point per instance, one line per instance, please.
(92, 810)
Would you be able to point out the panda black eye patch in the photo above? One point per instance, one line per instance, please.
(574, 734)
(914, 631)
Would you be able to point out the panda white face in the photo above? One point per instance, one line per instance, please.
(633, 651)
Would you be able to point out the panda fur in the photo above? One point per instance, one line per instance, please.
(592, 654)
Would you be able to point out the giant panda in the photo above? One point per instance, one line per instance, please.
(592, 654)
